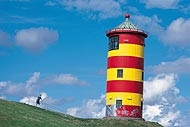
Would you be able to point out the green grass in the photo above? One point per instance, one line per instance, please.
(13, 114)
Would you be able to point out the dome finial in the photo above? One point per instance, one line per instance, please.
(127, 15)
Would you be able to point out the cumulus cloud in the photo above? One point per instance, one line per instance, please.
(46, 102)
(2, 97)
(50, 3)
(160, 98)
(67, 79)
(158, 85)
(177, 33)
(150, 24)
(179, 66)
(5, 39)
(3, 84)
(33, 79)
(34, 84)
(22, 89)
(35, 39)
(29, 100)
(91, 108)
(95, 8)
(152, 111)
(163, 4)
(32, 99)
(168, 117)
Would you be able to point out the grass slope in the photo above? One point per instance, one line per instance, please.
(14, 114)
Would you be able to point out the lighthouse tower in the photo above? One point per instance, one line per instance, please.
(124, 92)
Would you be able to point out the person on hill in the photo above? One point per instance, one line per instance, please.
(38, 100)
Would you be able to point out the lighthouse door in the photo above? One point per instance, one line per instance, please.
(118, 103)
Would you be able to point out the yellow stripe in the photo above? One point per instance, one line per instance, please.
(132, 99)
(128, 50)
(131, 74)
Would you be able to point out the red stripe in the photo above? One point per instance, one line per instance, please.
(125, 62)
(129, 111)
(125, 86)
(131, 38)
(126, 111)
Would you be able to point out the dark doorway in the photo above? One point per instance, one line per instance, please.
(118, 103)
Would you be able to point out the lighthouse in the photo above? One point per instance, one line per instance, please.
(125, 71)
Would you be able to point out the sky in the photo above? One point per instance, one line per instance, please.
(59, 48)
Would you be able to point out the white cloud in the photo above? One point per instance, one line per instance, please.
(32, 99)
(177, 33)
(163, 4)
(32, 86)
(33, 79)
(35, 39)
(67, 79)
(73, 111)
(149, 24)
(161, 97)
(50, 3)
(94, 108)
(3, 84)
(179, 66)
(46, 102)
(2, 97)
(168, 119)
(95, 8)
(151, 111)
(43, 95)
(5, 39)
(22, 89)
(29, 100)
(163, 114)
(158, 85)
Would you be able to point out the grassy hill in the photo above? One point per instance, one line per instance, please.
(13, 114)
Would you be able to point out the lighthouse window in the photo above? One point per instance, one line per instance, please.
(113, 43)
(120, 73)
(142, 75)
(118, 103)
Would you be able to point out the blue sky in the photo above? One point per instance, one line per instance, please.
(59, 48)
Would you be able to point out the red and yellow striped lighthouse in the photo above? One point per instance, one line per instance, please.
(124, 93)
